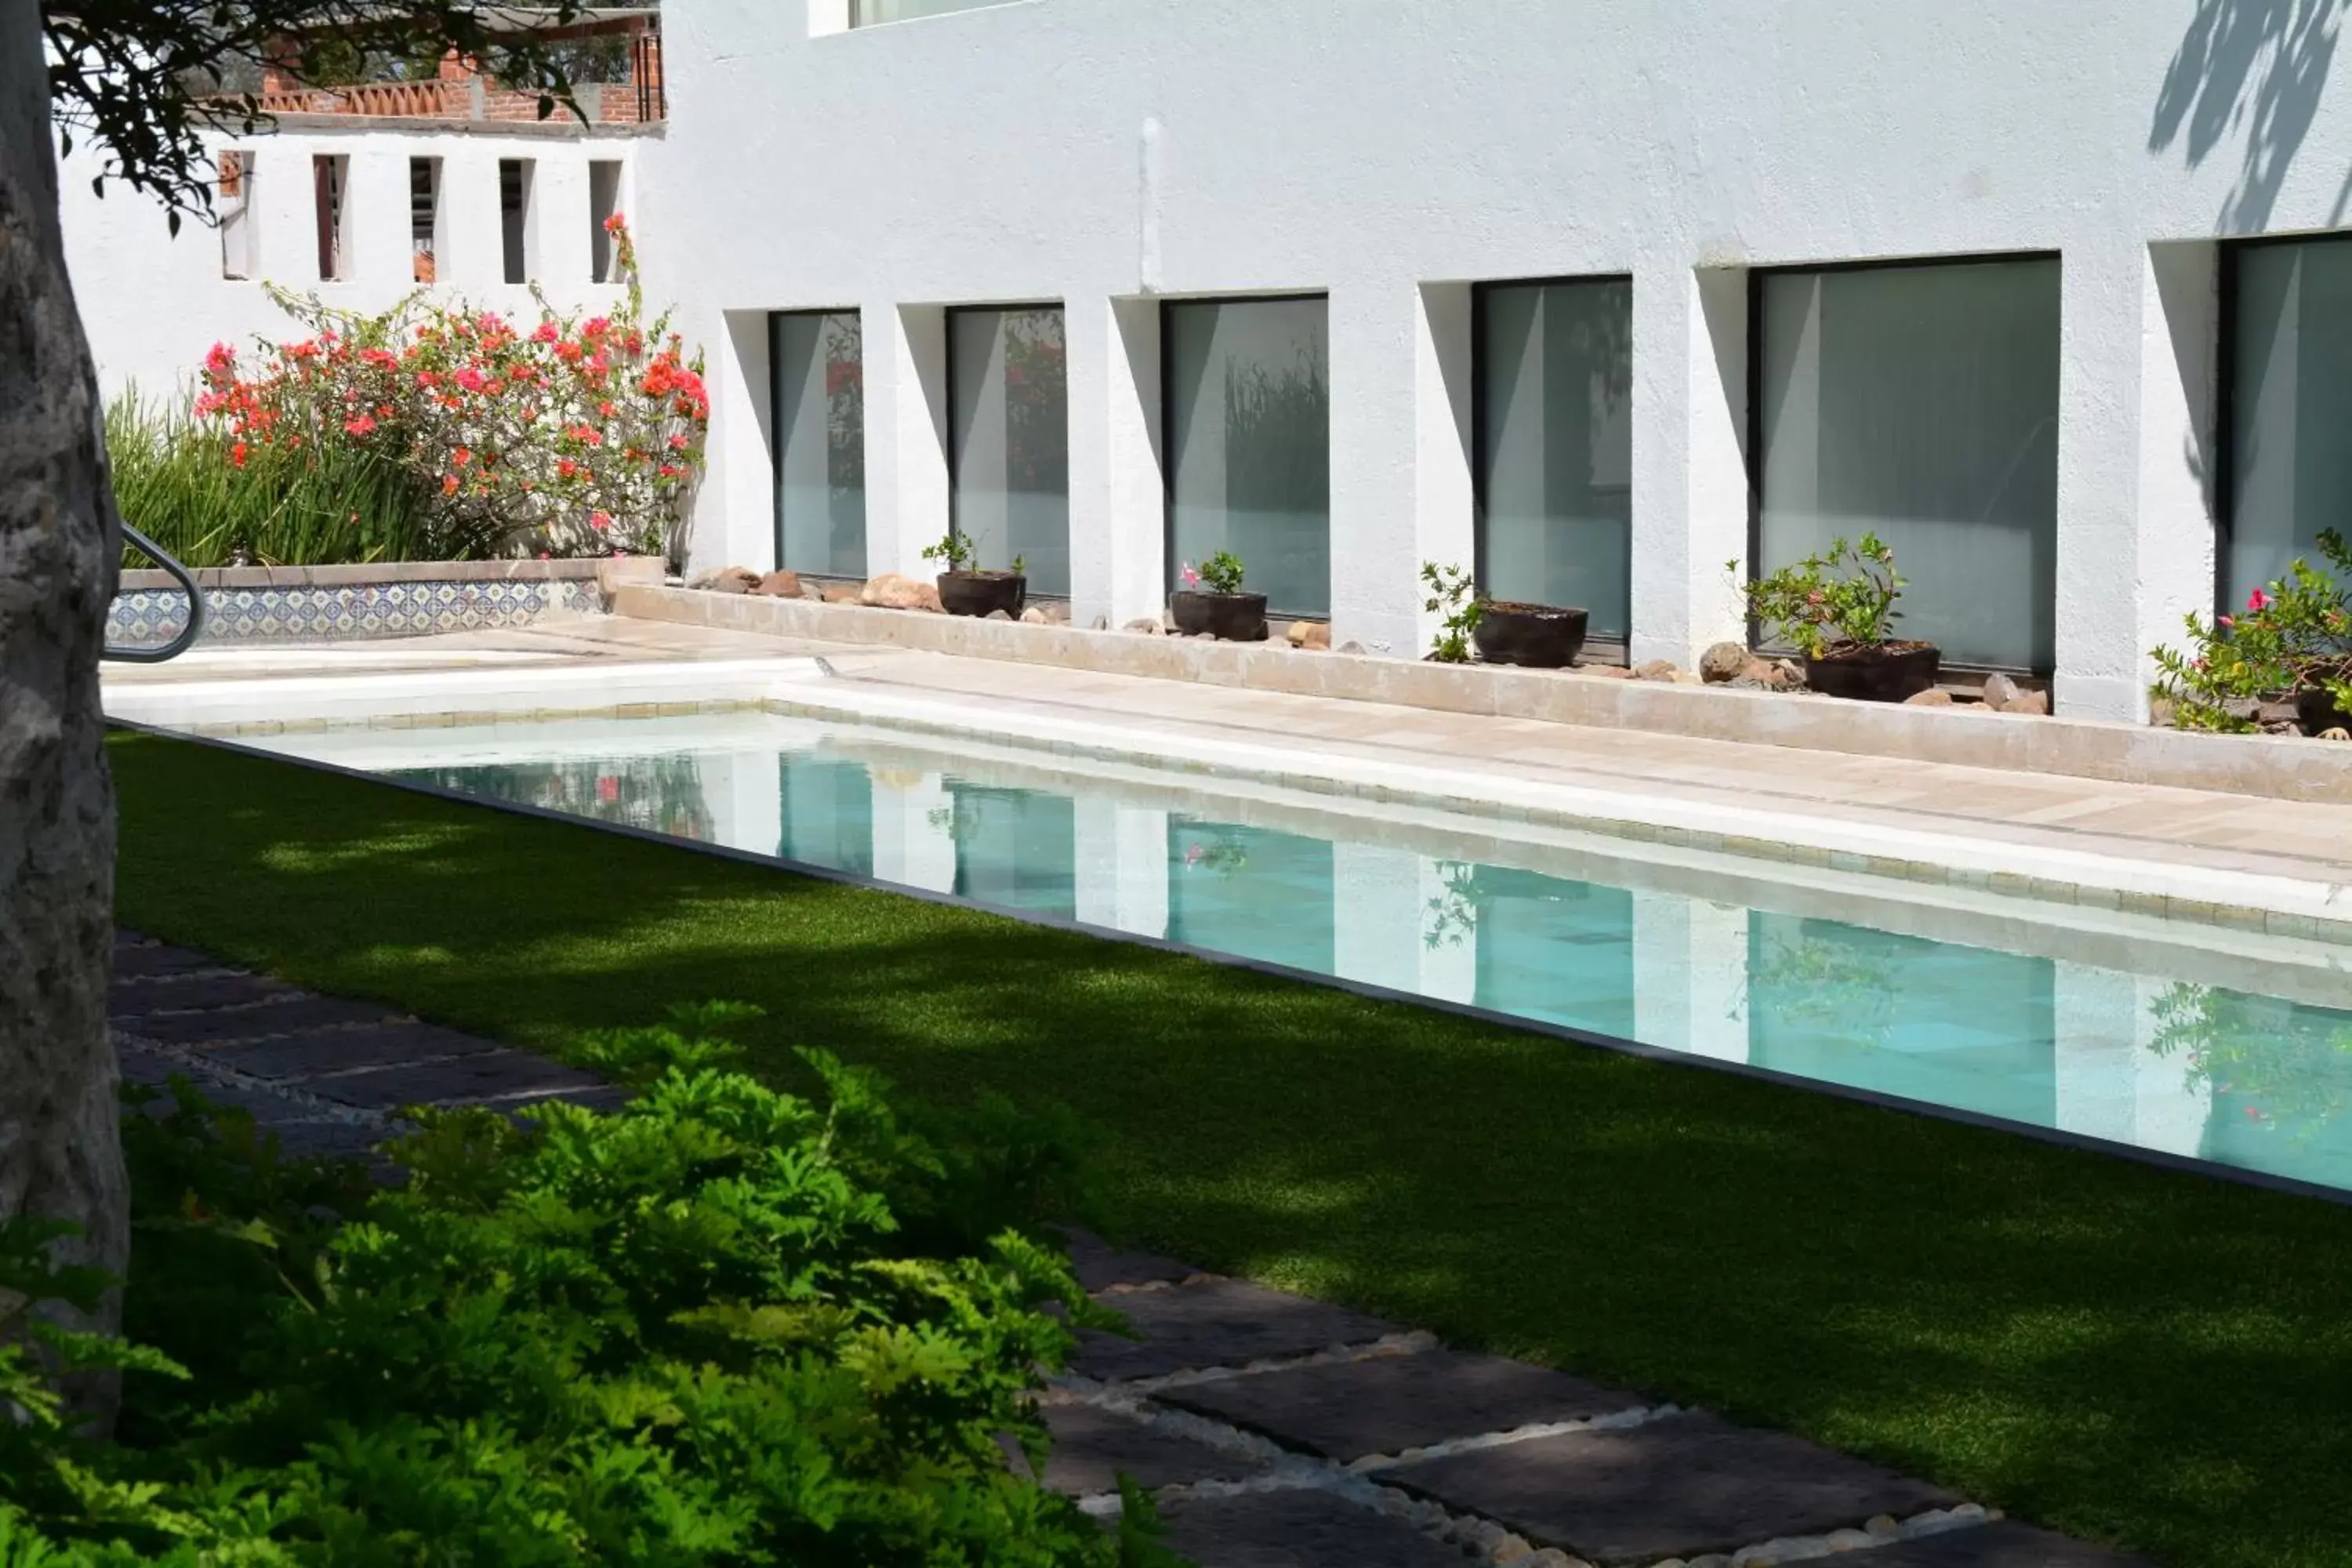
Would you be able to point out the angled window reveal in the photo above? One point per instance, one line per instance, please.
(2289, 364)
(1009, 436)
(818, 360)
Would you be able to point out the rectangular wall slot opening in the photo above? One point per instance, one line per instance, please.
(330, 186)
(232, 200)
(603, 201)
(514, 218)
(424, 219)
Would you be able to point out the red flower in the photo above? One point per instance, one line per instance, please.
(545, 333)
(219, 358)
(236, 454)
(470, 379)
(566, 467)
(2258, 601)
(462, 456)
(605, 408)
(613, 225)
(359, 426)
(448, 484)
(671, 471)
(600, 521)
(678, 443)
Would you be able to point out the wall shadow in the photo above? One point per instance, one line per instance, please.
(2250, 71)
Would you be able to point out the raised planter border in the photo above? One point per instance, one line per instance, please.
(394, 599)
(2265, 766)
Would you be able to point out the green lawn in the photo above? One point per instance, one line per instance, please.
(2133, 1355)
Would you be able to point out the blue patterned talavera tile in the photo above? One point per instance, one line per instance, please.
(152, 616)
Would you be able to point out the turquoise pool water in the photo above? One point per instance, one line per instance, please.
(2219, 1046)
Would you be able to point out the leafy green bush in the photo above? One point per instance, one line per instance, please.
(724, 1325)
(1842, 597)
(179, 482)
(1454, 594)
(2293, 635)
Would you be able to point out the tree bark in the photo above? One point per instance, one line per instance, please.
(61, 1152)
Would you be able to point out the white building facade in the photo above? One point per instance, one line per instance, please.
(1599, 296)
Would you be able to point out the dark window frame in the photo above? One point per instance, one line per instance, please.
(1752, 426)
(1167, 305)
(1479, 291)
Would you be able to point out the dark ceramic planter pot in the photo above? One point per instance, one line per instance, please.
(978, 592)
(1540, 636)
(1236, 617)
(1889, 672)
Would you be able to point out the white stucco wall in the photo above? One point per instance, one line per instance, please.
(153, 302)
(1111, 152)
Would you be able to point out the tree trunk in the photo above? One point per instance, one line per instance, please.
(60, 1154)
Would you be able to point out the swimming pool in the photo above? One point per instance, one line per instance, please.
(2226, 1047)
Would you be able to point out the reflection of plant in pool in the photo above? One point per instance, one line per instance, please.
(1219, 854)
(1829, 984)
(1453, 911)
(2288, 1064)
(661, 794)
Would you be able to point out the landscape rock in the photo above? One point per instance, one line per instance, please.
(2281, 712)
(1606, 671)
(728, 580)
(1933, 697)
(892, 591)
(811, 590)
(1145, 625)
(1033, 616)
(1102, 624)
(2028, 702)
(2289, 729)
(1724, 662)
(1310, 634)
(1688, 678)
(999, 614)
(1656, 670)
(844, 592)
(1999, 690)
(1351, 648)
(2337, 733)
(779, 585)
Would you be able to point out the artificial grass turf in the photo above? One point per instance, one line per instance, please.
(2130, 1354)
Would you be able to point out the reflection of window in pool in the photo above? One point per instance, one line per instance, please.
(1252, 892)
(1553, 948)
(826, 813)
(1017, 849)
(1902, 1015)
(2279, 1074)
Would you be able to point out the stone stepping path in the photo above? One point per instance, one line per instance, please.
(1273, 1431)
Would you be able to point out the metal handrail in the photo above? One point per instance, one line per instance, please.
(188, 634)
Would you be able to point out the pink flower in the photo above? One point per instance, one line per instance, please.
(219, 357)
(600, 521)
(2224, 622)
(359, 426)
(2258, 601)
(545, 333)
(1191, 578)
(470, 379)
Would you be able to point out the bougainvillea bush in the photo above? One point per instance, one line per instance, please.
(578, 435)
(2294, 635)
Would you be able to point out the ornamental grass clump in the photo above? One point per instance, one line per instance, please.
(722, 1325)
(2294, 638)
(582, 435)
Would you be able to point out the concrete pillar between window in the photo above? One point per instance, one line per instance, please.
(1376, 914)
(287, 224)
(1690, 469)
(1118, 493)
(557, 214)
(2105, 382)
(376, 230)
(743, 791)
(906, 435)
(1448, 961)
(2179, 447)
(472, 254)
(1374, 529)
(914, 834)
(1444, 530)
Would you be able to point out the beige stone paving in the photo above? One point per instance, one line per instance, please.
(2302, 840)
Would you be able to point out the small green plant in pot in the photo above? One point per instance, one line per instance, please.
(1211, 602)
(967, 589)
(1837, 610)
(2285, 660)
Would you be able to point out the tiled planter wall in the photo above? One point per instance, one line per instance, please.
(315, 604)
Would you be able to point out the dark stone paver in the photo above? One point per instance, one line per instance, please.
(1092, 1446)
(1680, 1487)
(376, 1045)
(207, 990)
(500, 1076)
(2003, 1545)
(1345, 1410)
(1220, 1323)
(1302, 1529)
(295, 1014)
(1100, 1266)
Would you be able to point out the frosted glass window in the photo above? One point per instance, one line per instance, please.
(1012, 439)
(1556, 446)
(1249, 444)
(2290, 439)
(817, 359)
(1921, 404)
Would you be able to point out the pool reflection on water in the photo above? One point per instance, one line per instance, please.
(2212, 1045)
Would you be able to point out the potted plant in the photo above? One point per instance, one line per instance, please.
(1837, 608)
(1212, 602)
(2289, 650)
(968, 590)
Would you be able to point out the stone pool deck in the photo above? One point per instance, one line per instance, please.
(1273, 1431)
